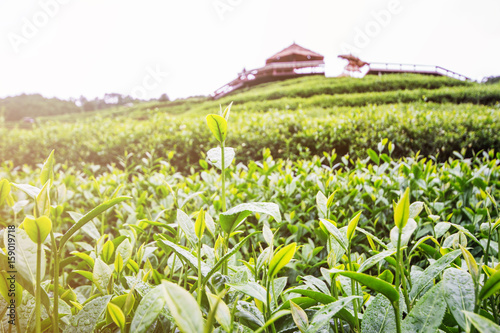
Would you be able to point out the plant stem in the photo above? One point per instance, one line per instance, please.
(335, 294)
(55, 253)
(396, 304)
(199, 273)
(353, 289)
(38, 291)
(223, 168)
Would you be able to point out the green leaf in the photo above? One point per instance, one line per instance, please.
(117, 315)
(42, 201)
(222, 312)
(148, 310)
(374, 156)
(26, 249)
(406, 233)
(402, 210)
(299, 317)
(88, 217)
(379, 316)
(210, 224)
(459, 294)
(47, 173)
(374, 283)
(252, 289)
(317, 296)
(86, 320)
(101, 275)
(199, 225)
(107, 251)
(281, 258)
(186, 255)
(250, 313)
(415, 209)
(4, 190)
(187, 226)
(427, 314)
(37, 229)
(226, 111)
(471, 263)
(32, 191)
(231, 219)
(218, 127)
(339, 236)
(321, 204)
(375, 259)
(225, 258)
(482, 324)
(125, 251)
(277, 315)
(184, 309)
(268, 235)
(351, 227)
(324, 314)
(214, 156)
(491, 286)
(430, 273)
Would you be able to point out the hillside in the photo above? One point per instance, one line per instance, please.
(342, 205)
(309, 116)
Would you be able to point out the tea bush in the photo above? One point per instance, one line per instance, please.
(432, 129)
(368, 243)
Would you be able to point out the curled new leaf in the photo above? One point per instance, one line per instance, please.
(402, 210)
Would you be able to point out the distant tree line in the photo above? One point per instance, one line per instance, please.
(35, 105)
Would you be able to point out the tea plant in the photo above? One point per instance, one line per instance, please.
(271, 246)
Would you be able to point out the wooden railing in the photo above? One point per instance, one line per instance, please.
(423, 69)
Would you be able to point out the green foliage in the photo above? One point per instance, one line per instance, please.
(305, 245)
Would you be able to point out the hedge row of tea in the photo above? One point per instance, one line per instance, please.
(309, 245)
(429, 128)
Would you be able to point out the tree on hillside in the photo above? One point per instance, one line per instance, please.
(164, 98)
(35, 105)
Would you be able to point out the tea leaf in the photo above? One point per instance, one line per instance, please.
(222, 313)
(37, 229)
(231, 219)
(427, 277)
(148, 310)
(281, 258)
(427, 314)
(483, 325)
(47, 172)
(299, 317)
(321, 203)
(327, 312)
(351, 227)
(402, 210)
(379, 316)
(183, 307)
(88, 217)
(214, 156)
(117, 315)
(4, 190)
(458, 292)
(252, 289)
(86, 319)
(374, 283)
(101, 275)
(491, 286)
(218, 126)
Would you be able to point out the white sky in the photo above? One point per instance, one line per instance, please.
(91, 47)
